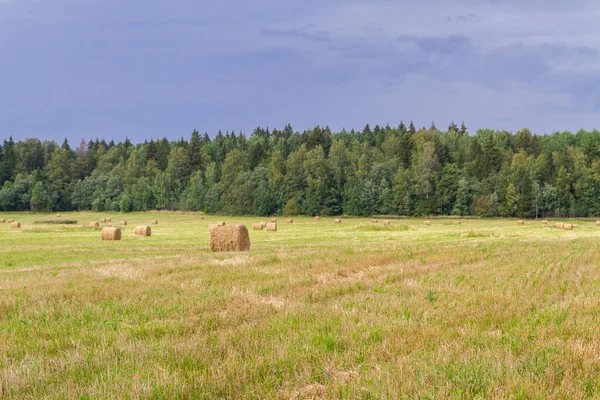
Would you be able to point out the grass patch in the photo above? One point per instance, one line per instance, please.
(56, 222)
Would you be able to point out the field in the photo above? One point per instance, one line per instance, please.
(486, 309)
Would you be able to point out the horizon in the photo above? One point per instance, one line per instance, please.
(111, 70)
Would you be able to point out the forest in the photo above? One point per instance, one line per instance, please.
(377, 171)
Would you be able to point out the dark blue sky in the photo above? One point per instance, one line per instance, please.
(115, 68)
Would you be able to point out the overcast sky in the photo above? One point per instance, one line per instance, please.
(154, 68)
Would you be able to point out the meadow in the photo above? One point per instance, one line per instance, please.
(485, 309)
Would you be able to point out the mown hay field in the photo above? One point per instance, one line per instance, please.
(485, 309)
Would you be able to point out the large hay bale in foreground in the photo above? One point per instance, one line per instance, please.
(154, 222)
(520, 222)
(15, 225)
(568, 227)
(337, 221)
(271, 227)
(273, 219)
(124, 223)
(428, 223)
(229, 238)
(142, 230)
(258, 227)
(93, 225)
(317, 218)
(560, 225)
(109, 233)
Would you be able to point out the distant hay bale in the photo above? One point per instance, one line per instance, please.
(290, 221)
(229, 238)
(109, 233)
(258, 227)
(202, 217)
(545, 222)
(520, 222)
(337, 221)
(58, 215)
(15, 225)
(457, 223)
(464, 234)
(124, 223)
(264, 224)
(2, 221)
(273, 219)
(154, 222)
(103, 220)
(108, 219)
(428, 223)
(317, 218)
(142, 230)
(560, 225)
(10, 221)
(387, 222)
(93, 225)
(568, 227)
(271, 227)
(597, 223)
(374, 221)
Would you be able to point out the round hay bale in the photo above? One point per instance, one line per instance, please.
(103, 220)
(273, 219)
(202, 217)
(387, 222)
(457, 222)
(597, 223)
(2, 221)
(109, 233)
(428, 223)
(271, 227)
(521, 222)
(317, 218)
(258, 227)
(230, 238)
(58, 215)
(124, 223)
(15, 225)
(154, 222)
(10, 221)
(545, 222)
(93, 225)
(264, 224)
(108, 219)
(337, 221)
(290, 221)
(568, 227)
(142, 230)
(374, 221)
(560, 225)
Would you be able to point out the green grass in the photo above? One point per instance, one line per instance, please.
(486, 309)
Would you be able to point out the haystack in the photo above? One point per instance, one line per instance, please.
(520, 222)
(457, 222)
(202, 217)
(317, 218)
(103, 220)
(2, 220)
(273, 219)
(427, 223)
(337, 221)
(374, 221)
(568, 227)
(10, 221)
(154, 222)
(15, 225)
(108, 219)
(257, 227)
(142, 230)
(290, 221)
(58, 215)
(597, 223)
(271, 227)
(545, 222)
(387, 223)
(124, 223)
(264, 224)
(109, 233)
(93, 224)
(230, 238)
(560, 225)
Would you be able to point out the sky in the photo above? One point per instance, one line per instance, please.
(153, 68)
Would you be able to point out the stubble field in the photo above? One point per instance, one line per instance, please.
(486, 309)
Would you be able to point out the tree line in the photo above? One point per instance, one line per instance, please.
(381, 170)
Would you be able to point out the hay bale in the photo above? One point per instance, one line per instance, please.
(560, 225)
(264, 224)
(154, 222)
(271, 227)
(58, 215)
(457, 222)
(374, 221)
(545, 222)
(2, 221)
(290, 221)
(230, 238)
(273, 219)
(107, 219)
(202, 217)
(428, 223)
(103, 220)
(258, 227)
(93, 225)
(317, 218)
(597, 223)
(10, 221)
(109, 233)
(15, 225)
(568, 227)
(521, 222)
(124, 223)
(387, 222)
(142, 230)
(464, 234)
(337, 221)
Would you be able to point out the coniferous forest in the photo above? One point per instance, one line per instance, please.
(379, 170)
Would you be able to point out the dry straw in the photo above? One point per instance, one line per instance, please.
(109, 233)
(271, 227)
(258, 227)
(229, 238)
(560, 225)
(93, 224)
(337, 221)
(15, 225)
(568, 227)
(264, 224)
(142, 230)
(124, 223)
